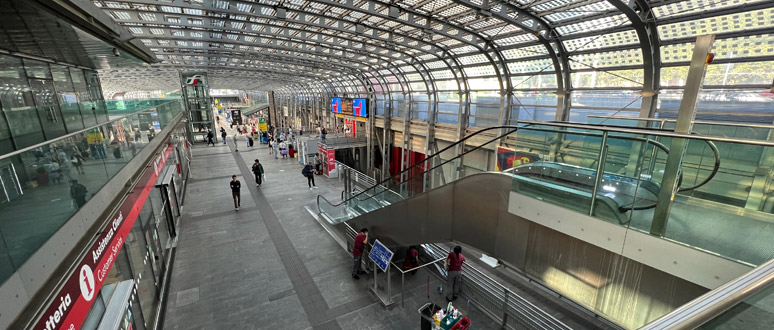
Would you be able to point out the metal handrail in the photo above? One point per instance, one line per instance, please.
(702, 122)
(712, 304)
(491, 285)
(47, 142)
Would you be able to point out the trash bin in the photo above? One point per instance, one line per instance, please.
(426, 313)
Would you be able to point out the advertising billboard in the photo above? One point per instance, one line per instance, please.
(360, 108)
(336, 104)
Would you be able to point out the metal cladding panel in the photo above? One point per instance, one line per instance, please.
(397, 139)
(419, 144)
(475, 206)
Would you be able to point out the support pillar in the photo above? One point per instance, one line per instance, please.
(685, 116)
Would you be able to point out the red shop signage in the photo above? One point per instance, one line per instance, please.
(72, 303)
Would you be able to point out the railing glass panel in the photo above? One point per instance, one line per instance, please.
(723, 207)
(44, 186)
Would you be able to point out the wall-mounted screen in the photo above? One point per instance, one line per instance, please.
(336, 104)
(346, 106)
(360, 108)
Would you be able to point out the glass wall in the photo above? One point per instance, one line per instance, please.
(41, 101)
(142, 263)
(44, 187)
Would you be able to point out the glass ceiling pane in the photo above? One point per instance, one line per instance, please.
(719, 24)
(678, 8)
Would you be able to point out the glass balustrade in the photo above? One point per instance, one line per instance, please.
(723, 207)
(44, 186)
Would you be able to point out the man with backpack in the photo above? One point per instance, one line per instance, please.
(308, 172)
(258, 171)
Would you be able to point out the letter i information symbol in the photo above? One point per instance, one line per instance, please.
(86, 278)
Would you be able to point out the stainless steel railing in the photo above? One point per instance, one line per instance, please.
(712, 304)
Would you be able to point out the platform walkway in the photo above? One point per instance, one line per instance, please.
(271, 265)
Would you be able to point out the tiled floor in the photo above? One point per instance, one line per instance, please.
(271, 265)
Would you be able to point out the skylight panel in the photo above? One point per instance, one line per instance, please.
(170, 9)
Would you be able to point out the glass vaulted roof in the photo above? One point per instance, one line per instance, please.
(439, 46)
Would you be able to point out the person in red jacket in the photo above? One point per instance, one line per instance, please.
(454, 260)
(361, 239)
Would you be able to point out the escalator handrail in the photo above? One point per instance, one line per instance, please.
(514, 129)
(710, 143)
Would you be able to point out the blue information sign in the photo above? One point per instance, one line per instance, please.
(381, 255)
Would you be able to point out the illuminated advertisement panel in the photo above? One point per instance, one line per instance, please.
(360, 108)
(336, 105)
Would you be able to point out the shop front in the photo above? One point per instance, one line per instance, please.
(119, 283)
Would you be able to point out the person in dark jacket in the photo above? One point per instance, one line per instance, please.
(258, 171)
(235, 191)
(223, 134)
(209, 138)
(78, 193)
(308, 172)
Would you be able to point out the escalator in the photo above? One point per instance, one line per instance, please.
(473, 207)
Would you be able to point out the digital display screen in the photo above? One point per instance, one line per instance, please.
(360, 108)
(336, 105)
(346, 106)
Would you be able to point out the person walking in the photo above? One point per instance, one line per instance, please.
(271, 147)
(323, 134)
(308, 172)
(454, 260)
(276, 149)
(258, 171)
(209, 138)
(78, 193)
(77, 161)
(361, 239)
(236, 142)
(223, 134)
(235, 194)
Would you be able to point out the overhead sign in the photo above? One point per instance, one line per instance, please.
(360, 107)
(69, 307)
(262, 126)
(336, 105)
(381, 255)
(194, 80)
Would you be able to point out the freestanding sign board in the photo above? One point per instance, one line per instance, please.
(381, 255)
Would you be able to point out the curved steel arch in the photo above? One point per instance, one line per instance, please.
(644, 23)
(547, 36)
(340, 28)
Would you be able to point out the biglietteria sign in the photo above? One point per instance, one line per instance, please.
(71, 304)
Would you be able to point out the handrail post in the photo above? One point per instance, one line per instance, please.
(600, 172)
(389, 284)
(402, 290)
